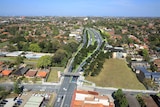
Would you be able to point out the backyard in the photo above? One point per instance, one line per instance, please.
(116, 73)
(53, 75)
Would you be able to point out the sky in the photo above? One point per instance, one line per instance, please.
(123, 8)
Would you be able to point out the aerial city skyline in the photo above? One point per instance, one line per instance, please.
(127, 8)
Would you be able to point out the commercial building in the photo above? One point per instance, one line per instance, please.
(83, 98)
(34, 101)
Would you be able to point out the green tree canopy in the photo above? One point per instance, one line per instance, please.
(106, 34)
(19, 60)
(121, 98)
(59, 57)
(44, 61)
(145, 54)
(16, 88)
(34, 47)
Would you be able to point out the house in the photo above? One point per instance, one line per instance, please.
(21, 71)
(41, 74)
(156, 99)
(157, 64)
(118, 52)
(137, 58)
(119, 55)
(135, 64)
(132, 101)
(83, 98)
(149, 101)
(6, 72)
(156, 77)
(31, 73)
(131, 45)
(118, 49)
(142, 73)
(116, 37)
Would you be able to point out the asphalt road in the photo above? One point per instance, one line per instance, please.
(108, 90)
(65, 92)
(35, 87)
(99, 40)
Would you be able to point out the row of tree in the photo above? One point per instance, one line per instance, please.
(95, 62)
(82, 53)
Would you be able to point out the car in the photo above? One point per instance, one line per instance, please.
(5, 100)
(14, 98)
(3, 103)
(64, 89)
(62, 97)
(59, 99)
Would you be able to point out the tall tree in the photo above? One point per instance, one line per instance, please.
(145, 54)
(59, 57)
(34, 47)
(44, 61)
(120, 98)
(19, 60)
(16, 88)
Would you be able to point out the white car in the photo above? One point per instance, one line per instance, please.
(64, 89)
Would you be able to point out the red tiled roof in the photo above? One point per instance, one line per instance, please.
(93, 105)
(157, 62)
(87, 92)
(41, 74)
(81, 103)
(6, 72)
(31, 73)
(149, 101)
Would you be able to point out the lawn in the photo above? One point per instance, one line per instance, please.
(11, 59)
(51, 100)
(93, 38)
(116, 73)
(3, 79)
(2, 44)
(53, 75)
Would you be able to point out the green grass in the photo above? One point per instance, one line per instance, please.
(116, 73)
(51, 100)
(3, 79)
(53, 75)
(3, 44)
(86, 83)
(158, 94)
(26, 61)
(12, 59)
(93, 38)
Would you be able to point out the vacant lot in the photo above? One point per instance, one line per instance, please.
(53, 75)
(116, 73)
